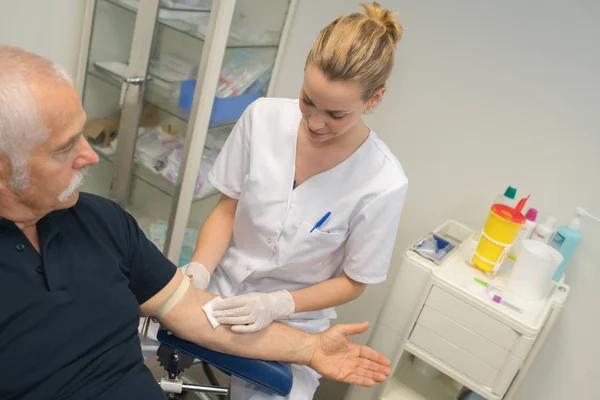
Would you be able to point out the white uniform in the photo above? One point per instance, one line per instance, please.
(273, 247)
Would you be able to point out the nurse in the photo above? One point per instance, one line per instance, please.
(311, 197)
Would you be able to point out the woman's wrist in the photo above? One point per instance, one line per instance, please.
(199, 274)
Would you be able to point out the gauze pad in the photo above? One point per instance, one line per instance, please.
(208, 310)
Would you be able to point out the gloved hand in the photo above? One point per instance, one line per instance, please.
(253, 312)
(199, 274)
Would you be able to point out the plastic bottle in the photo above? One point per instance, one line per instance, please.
(543, 232)
(566, 239)
(525, 232)
(530, 223)
(508, 198)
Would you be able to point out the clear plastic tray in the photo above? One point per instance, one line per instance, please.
(436, 246)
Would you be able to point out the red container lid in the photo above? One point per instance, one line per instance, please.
(508, 213)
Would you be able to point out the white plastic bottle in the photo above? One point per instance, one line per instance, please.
(543, 232)
(507, 198)
(525, 232)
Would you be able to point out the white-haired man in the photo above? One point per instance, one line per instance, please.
(76, 272)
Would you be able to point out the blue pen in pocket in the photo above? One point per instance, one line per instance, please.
(321, 221)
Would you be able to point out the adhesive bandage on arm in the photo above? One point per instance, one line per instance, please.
(174, 299)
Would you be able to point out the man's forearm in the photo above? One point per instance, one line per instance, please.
(278, 342)
(331, 353)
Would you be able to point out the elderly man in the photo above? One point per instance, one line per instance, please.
(76, 272)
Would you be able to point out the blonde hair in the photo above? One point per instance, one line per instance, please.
(358, 47)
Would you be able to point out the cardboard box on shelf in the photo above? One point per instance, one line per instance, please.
(149, 118)
(102, 131)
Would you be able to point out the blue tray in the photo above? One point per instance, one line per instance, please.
(225, 110)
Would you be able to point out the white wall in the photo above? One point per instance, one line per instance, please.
(50, 28)
(487, 94)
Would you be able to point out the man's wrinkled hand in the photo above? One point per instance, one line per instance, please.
(337, 357)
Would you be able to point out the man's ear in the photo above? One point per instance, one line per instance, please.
(5, 171)
(3, 168)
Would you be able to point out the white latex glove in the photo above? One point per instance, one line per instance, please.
(199, 274)
(253, 312)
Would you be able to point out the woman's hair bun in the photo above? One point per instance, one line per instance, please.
(385, 18)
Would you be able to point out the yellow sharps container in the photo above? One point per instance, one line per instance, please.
(499, 233)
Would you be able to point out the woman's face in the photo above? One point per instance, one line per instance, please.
(330, 108)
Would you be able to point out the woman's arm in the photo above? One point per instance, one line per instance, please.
(216, 234)
(254, 311)
(331, 293)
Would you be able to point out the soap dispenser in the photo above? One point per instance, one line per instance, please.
(566, 239)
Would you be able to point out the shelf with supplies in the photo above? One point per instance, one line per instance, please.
(174, 95)
(194, 23)
(154, 94)
(156, 231)
(158, 167)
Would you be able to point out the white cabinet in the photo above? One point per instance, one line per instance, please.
(435, 313)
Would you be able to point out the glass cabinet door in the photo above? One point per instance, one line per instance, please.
(179, 106)
(120, 46)
(109, 49)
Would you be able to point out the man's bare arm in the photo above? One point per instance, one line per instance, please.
(330, 353)
(188, 321)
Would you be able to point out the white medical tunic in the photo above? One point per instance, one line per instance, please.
(274, 246)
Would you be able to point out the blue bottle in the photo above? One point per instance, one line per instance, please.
(565, 240)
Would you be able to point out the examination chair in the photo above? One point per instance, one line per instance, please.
(175, 355)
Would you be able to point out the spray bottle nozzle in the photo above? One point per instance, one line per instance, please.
(580, 211)
(521, 203)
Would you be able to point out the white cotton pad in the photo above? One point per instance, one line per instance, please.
(208, 310)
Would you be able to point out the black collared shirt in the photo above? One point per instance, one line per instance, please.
(69, 317)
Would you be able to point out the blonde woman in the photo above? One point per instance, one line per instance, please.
(311, 198)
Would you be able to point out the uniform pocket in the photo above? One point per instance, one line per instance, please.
(312, 248)
(319, 231)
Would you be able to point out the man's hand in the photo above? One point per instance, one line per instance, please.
(253, 312)
(339, 358)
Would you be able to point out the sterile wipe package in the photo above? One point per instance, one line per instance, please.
(208, 310)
